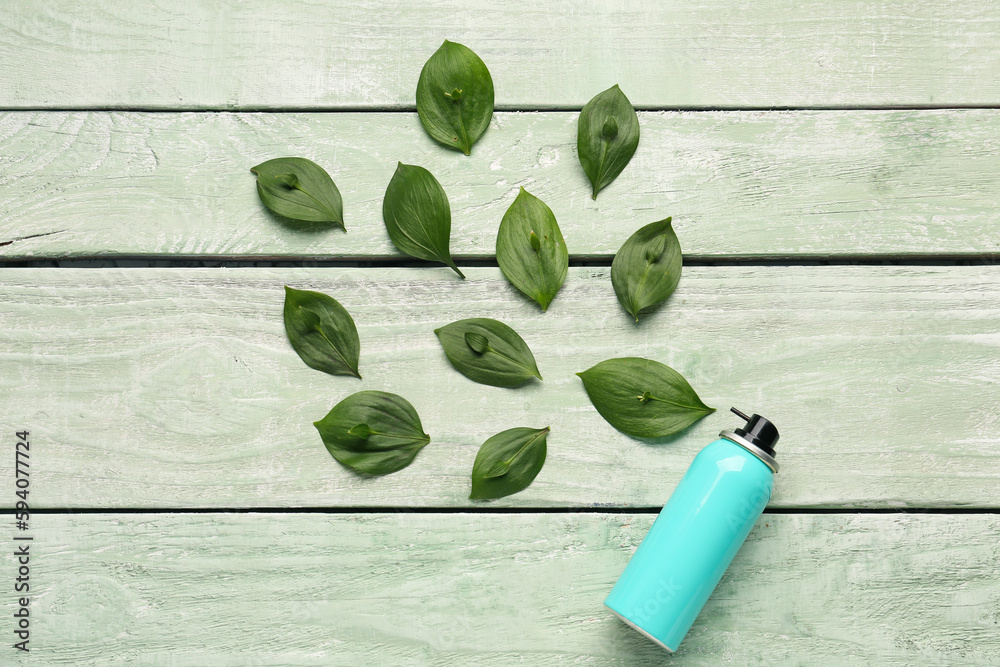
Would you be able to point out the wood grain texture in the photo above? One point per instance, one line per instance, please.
(367, 53)
(429, 589)
(177, 387)
(747, 184)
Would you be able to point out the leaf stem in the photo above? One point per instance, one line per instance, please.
(454, 267)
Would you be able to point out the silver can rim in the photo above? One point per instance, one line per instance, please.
(752, 448)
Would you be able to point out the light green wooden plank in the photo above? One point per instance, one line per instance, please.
(230, 54)
(177, 387)
(474, 589)
(754, 184)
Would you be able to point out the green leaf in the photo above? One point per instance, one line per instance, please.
(643, 398)
(607, 136)
(499, 469)
(539, 269)
(647, 268)
(417, 215)
(291, 180)
(322, 332)
(610, 129)
(300, 189)
(477, 342)
(360, 431)
(508, 462)
(488, 352)
(656, 248)
(455, 96)
(373, 432)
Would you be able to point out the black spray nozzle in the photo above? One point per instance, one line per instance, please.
(758, 432)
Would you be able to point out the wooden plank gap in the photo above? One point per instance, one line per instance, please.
(194, 261)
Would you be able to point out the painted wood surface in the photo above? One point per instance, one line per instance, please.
(458, 589)
(365, 53)
(177, 387)
(738, 184)
(159, 388)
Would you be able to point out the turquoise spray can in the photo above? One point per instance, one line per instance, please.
(697, 533)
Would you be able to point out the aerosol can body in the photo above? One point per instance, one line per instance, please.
(698, 532)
